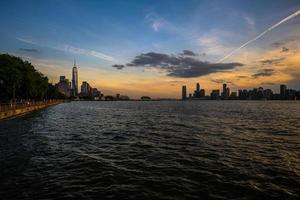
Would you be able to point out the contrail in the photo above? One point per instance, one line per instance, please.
(260, 35)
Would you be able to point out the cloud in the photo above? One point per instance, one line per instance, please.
(119, 67)
(156, 21)
(277, 44)
(72, 49)
(268, 83)
(188, 53)
(214, 42)
(284, 49)
(264, 72)
(29, 50)
(28, 41)
(242, 76)
(272, 61)
(179, 66)
(87, 52)
(295, 14)
(250, 21)
(220, 81)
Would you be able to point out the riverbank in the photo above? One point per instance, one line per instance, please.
(10, 111)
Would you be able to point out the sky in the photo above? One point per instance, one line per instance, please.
(152, 47)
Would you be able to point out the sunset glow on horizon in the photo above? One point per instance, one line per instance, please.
(152, 48)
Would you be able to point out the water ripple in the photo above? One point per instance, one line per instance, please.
(153, 150)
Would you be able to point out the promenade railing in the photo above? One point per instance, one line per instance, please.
(24, 104)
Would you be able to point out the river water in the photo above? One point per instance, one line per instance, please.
(153, 150)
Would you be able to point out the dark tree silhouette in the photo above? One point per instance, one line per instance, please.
(20, 80)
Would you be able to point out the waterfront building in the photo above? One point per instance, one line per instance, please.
(225, 92)
(145, 98)
(184, 92)
(85, 88)
(233, 95)
(124, 97)
(290, 94)
(95, 92)
(283, 91)
(202, 93)
(64, 86)
(268, 94)
(75, 79)
(197, 93)
(215, 94)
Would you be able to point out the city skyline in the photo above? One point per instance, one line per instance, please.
(143, 50)
(258, 93)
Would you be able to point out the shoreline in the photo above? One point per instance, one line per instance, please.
(26, 109)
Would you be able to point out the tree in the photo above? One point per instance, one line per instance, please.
(20, 80)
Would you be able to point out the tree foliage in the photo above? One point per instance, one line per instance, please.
(21, 80)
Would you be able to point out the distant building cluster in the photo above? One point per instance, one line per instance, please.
(254, 94)
(70, 89)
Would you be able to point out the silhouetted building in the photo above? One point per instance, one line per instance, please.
(124, 97)
(202, 93)
(233, 96)
(225, 92)
(109, 98)
(290, 94)
(298, 95)
(184, 92)
(268, 94)
(283, 91)
(64, 86)
(243, 95)
(75, 79)
(215, 94)
(85, 88)
(145, 98)
(198, 93)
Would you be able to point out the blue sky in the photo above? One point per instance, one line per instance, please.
(102, 33)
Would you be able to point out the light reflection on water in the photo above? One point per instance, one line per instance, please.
(153, 150)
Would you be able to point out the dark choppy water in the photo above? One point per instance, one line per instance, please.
(153, 150)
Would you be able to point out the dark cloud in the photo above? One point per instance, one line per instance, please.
(179, 66)
(272, 61)
(119, 67)
(189, 53)
(268, 83)
(242, 76)
(277, 44)
(284, 49)
(220, 81)
(264, 72)
(29, 50)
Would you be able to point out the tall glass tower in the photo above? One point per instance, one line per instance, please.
(75, 79)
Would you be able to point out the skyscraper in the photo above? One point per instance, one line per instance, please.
(75, 79)
(198, 87)
(184, 92)
(282, 91)
(225, 92)
(197, 93)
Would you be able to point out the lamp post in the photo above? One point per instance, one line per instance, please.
(1, 83)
